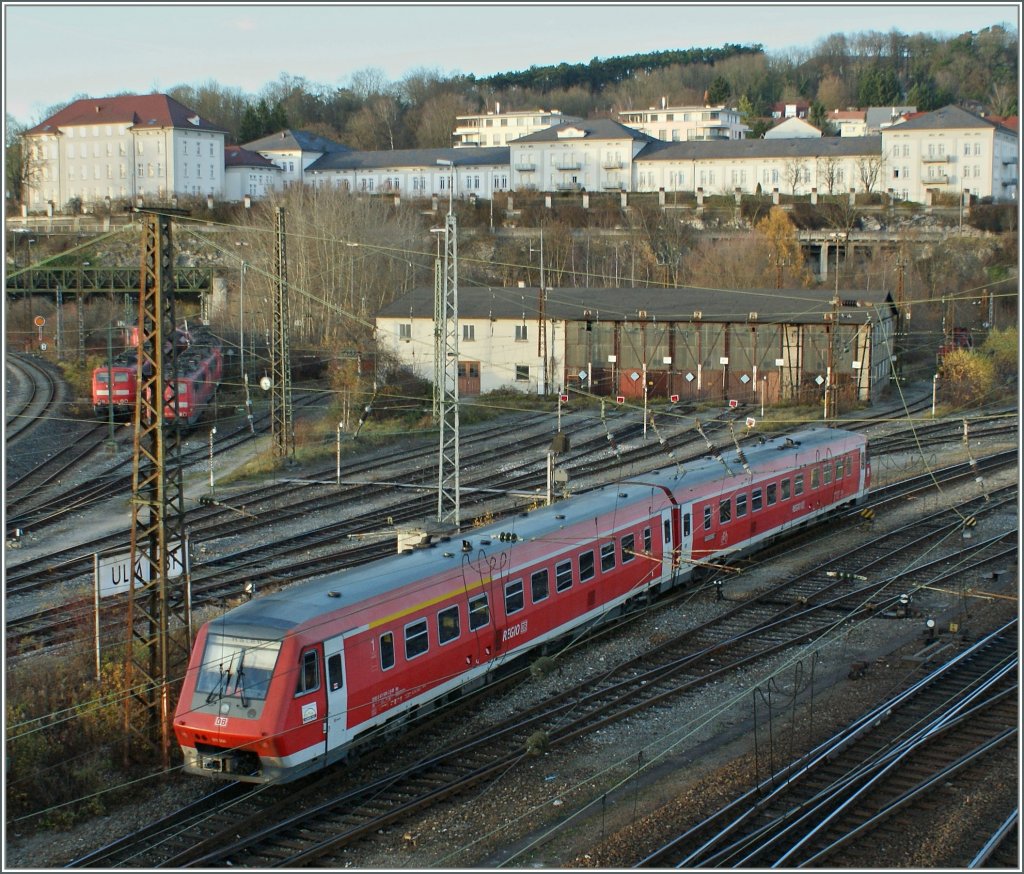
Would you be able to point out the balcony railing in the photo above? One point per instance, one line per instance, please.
(612, 165)
(526, 167)
(935, 159)
(570, 165)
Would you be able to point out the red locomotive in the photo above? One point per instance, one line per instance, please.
(200, 369)
(292, 681)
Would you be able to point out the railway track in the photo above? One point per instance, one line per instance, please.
(305, 827)
(38, 399)
(819, 809)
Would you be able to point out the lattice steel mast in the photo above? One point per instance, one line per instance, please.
(282, 427)
(158, 648)
(448, 459)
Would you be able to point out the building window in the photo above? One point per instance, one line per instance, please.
(522, 373)
(405, 331)
(469, 332)
(521, 332)
(140, 170)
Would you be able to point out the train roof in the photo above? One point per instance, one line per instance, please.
(275, 615)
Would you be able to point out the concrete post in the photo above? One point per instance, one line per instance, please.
(661, 197)
(775, 196)
(623, 199)
(814, 197)
(586, 200)
(853, 197)
(547, 201)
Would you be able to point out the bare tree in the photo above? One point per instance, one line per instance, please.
(828, 172)
(869, 169)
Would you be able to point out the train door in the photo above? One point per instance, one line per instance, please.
(670, 536)
(337, 695)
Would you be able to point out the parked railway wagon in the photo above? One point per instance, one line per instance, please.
(292, 681)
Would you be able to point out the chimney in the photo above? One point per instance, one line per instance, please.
(663, 102)
(497, 108)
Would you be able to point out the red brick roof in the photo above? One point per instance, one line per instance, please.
(137, 110)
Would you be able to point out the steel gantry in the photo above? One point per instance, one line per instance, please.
(159, 624)
(281, 425)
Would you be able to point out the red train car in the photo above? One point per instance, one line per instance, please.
(293, 681)
(115, 384)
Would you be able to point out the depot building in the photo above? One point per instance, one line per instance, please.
(693, 344)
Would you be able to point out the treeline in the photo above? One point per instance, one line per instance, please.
(976, 70)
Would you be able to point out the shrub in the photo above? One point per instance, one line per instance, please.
(967, 377)
(1002, 347)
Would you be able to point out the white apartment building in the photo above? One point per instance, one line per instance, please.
(687, 123)
(593, 155)
(500, 128)
(123, 148)
(951, 150)
(249, 174)
(293, 151)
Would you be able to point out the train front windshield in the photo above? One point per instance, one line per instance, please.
(237, 667)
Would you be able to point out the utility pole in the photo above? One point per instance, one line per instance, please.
(155, 658)
(448, 498)
(282, 427)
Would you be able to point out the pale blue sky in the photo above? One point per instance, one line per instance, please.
(54, 52)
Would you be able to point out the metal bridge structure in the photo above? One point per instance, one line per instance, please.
(89, 280)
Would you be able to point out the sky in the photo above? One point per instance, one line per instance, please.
(56, 52)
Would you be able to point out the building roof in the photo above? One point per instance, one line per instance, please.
(948, 118)
(876, 116)
(482, 155)
(290, 140)
(137, 110)
(802, 306)
(593, 128)
(782, 147)
(236, 156)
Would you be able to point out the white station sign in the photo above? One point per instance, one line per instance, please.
(113, 572)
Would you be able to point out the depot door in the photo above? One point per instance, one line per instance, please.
(337, 696)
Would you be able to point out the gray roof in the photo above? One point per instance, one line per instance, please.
(876, 116)
(795, 147)
(410, 158)
(791, 306)
(595, 128)
(947, 118)
(290, 140)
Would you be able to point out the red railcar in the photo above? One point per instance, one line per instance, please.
(292, 681)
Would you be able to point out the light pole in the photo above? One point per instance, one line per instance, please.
(213, 431)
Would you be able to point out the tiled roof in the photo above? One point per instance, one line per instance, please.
(236, 156)
(783, 147)
(803, 306)
(481, 156)
(290, 140)
(594, 128)
(947, 118)
(138, 110)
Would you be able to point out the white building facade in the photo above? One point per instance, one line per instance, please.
(951, 151)
(687, 123)
(249, 174)
(293, 151)
(123, 148)
(500, 128)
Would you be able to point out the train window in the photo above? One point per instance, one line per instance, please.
(707, 518)
(755, 500)
(770, 490)
(121, 377)
(839, 469)
(334, 677)
(798, 484)
(848, 466)
(416, 638)
(827, 470)
(586, 565)
(448, 624)
(563, 576)
(607, 557)
(514, 600)
(666, 532)
(724, 510)
(785, 490)
(814, 478)
(387, 651)
(479, 612)
(539, 585)
(741, 505)
(686, 524)
(647, 541)
(627, 548)
(309, 673)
